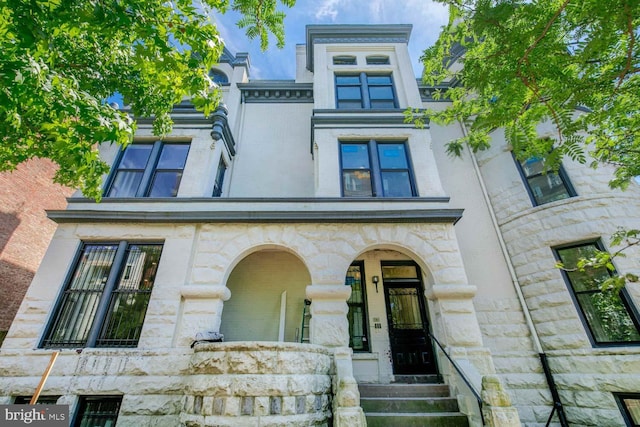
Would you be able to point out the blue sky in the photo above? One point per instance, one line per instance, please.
(426, 17)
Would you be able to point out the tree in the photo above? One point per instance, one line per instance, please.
(575, 64)
(60, 61)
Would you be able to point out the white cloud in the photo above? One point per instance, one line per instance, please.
(328, 9)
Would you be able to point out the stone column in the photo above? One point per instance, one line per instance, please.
(201, 310)
(329, 326)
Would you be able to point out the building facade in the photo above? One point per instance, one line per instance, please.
(333, 246)
(25, 230)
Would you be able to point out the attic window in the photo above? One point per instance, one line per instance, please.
(218, 77)
(344, 60)
(377, 60)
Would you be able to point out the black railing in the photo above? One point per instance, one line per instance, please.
(464, 378)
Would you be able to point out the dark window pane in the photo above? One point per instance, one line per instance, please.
(548, 188)
(130, 298)
(349, 92)
(392, 156)
(604, 311)
(357, 183)
(135, 156)
(632, 406)
(382, 104)
(349, 105)
(357, 316)
(396, 184)
(348, 80)
(218, 77)
(399, 272)
(532, 166)
(377, 60)
(42, 400)
(125, 184)
(80, 300)
(380, 92)
(608, 318)
(217, 186)
(173, 156)
(405, 308)
(98, 412)
(344, 60)
(379, 80)
(165, 184)
(355, 156)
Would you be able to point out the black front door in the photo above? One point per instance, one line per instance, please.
(411, 349)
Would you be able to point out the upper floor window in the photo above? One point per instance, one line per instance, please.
(344, 60)
(149, 170)
(105, 300)
(217, 185)
(543, 184)
(609, 315)
(377, 60)
(376, 169)
(97, 411)
(364, 90)
(218, 77)
(357, 302)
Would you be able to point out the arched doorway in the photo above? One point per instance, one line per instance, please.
(267, 298)
(388, 317)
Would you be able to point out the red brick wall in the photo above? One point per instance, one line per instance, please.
(25, 231)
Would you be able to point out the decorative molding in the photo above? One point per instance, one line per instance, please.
(220, 130)
(185, 216)
(354, 34)
(256, 200)
(276, 91)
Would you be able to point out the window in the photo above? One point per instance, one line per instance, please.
(217, 185)
(357, 303)
(149, 170)
(357, 91)
(609, 315)
(376, 169)
(97, 411)
(344, 60)
(218, 77)
(104, 302)
(42, 400)
(543, 184)
(629, 404)
(377, 60)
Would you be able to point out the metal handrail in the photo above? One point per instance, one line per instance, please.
(464, 378)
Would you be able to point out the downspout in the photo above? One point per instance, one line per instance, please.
(557, 403)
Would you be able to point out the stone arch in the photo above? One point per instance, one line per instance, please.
(267, 288)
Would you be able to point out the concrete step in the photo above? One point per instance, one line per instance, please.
(417, 379)
(404, 390)
(408, 404)
(433, 419)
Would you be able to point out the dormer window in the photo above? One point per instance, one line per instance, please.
(344, 60)
(218, 77)
(377, 60)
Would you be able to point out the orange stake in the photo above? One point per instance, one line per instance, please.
(45, 375)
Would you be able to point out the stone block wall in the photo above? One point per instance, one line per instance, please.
(586, 374)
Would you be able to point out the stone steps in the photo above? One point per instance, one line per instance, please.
(422, 401)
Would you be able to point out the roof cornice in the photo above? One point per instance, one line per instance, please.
(393, 33)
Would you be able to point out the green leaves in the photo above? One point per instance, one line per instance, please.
(526, 62)
(61, 60)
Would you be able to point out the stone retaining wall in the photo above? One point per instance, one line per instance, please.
(258, 383)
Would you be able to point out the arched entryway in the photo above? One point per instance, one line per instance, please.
(388, 317)
(267, 298)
